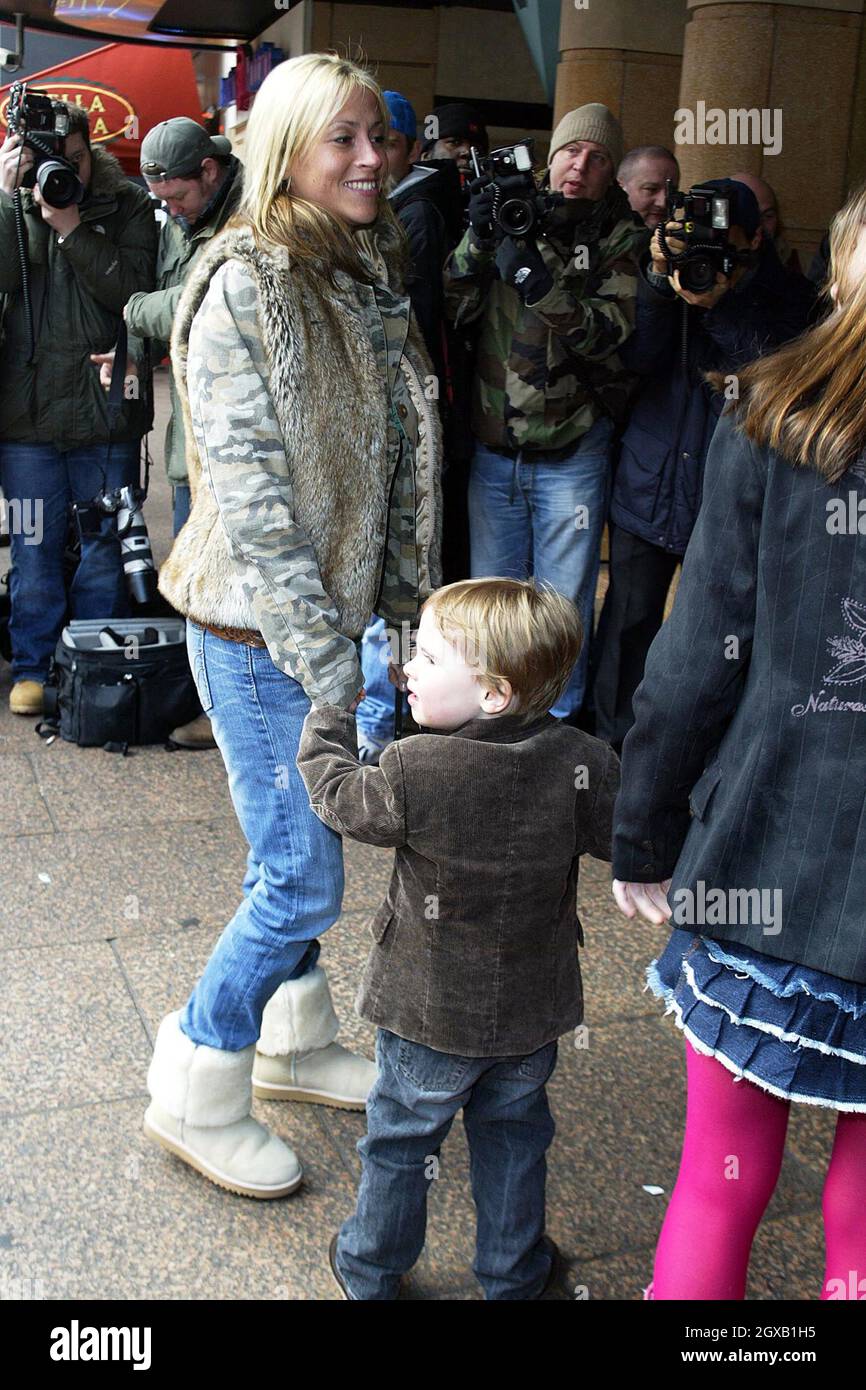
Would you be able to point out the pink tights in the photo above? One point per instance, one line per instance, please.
(732, 1153)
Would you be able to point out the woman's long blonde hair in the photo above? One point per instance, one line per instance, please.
(294, 105)
(808, 400)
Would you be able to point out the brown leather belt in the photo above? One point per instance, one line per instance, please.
(236, 634)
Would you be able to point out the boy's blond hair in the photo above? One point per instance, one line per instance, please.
(514, 630)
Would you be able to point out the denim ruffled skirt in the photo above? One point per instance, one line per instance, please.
(795, 1032)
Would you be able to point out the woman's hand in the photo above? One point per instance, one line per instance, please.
(649, 899)
(357, 700)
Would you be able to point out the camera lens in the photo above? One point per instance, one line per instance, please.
(58, 184)
(516, 217)
(698, 274)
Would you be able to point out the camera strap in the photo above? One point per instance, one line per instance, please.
(118, 376)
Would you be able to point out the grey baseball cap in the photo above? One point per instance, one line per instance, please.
(174, 149)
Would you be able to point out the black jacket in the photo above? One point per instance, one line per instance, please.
(746, 765)
(428, 202)
(78, 290)
(659, 474)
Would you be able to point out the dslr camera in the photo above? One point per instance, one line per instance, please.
(519, 206)
(705, 216)
(44, 126)
(126, 504)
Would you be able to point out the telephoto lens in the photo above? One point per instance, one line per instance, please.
(59, 184)
(138, 566)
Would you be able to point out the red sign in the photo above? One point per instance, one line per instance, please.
(125, 90)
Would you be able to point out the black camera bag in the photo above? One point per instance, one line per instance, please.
(133, 691)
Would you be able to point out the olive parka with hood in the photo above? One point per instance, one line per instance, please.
(78, 287)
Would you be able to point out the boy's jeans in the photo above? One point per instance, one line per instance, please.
(533, 516)
(509, 1127)
(294, 881)
(39, 483)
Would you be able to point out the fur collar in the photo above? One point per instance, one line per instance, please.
(108, 178)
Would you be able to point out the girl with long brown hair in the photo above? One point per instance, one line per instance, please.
(743, 810)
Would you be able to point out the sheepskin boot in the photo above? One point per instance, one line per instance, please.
(297, 1057)
(200, 1111)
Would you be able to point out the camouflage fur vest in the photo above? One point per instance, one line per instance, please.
(331, 404)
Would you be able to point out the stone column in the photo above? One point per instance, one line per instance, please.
(627, 54)
(801, 66)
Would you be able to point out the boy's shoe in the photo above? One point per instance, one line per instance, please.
(332, 1260)
(26, 697)
(297, 1057)
(557, 1268)
(338, 1278)
(200, 1112)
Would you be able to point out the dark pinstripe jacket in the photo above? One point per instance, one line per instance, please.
(746, 766)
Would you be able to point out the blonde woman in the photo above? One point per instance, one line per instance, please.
(744, 781)
(314, 469)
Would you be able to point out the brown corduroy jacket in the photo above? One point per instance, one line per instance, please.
(475, 946)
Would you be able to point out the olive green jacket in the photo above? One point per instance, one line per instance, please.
(152, 315)
(78, 287)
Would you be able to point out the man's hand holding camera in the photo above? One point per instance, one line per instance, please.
(521, 265)
(659, 262)
(15, 163)
(61, 220)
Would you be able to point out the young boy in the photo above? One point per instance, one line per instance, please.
(473, 974)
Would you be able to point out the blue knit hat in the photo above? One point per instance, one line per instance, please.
(403, 116)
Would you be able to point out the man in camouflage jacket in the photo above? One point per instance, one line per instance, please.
(549, 386)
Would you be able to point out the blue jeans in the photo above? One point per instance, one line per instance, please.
(375, 715)
(533, 516)
(39, 483)
(509, 1127)
(181, 500)
(293, 886)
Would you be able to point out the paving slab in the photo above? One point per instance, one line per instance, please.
(93, 1210)
(71, 1031)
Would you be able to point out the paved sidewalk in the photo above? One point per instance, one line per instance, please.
(117, 877)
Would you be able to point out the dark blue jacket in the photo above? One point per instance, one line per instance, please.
(659, 474)
(745, 769)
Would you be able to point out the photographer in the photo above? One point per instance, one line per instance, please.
(200, 181)
(659, 476)
(556, 307)
(57, 444)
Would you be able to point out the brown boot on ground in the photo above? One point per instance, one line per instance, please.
(196, 734)
(26, 697)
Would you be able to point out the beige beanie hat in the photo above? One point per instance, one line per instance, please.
(590, 122)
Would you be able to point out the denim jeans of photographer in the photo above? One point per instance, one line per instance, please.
(375, 714)
(49, 480)
(293, 887)
(509, 1127)
(533, 516)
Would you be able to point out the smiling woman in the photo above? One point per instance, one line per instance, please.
(314, 464)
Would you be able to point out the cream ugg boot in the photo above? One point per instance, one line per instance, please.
(200, 1111)
(297, 1057)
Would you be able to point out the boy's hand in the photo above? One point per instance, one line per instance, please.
(646, 898)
